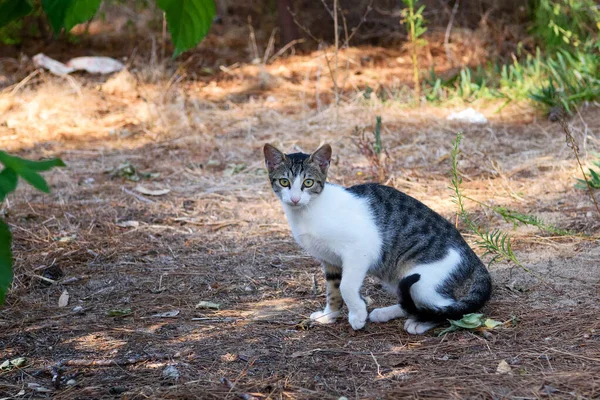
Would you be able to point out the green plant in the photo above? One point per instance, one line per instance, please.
(526, 219)
(571, 79)
(571, 24)
(471, 322)
(188, 21)
(496, 242)
(593, 179)
(414, 22)
(15, 167)
(564, 79)
(517, 217)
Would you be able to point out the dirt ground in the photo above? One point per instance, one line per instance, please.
(219, 235)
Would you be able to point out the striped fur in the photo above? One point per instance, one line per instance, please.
(375, 229)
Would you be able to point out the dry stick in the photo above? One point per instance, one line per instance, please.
(137, 196)
(29, 77)
(284, 48)
(337, 47)
(164, 36)
(447, 36)
(571, 143)
(113, 361)
(230, 385)
(253, 39)
(363, 20)
(270, 46)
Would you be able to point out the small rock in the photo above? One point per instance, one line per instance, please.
(71, 382)
(77, 309)
(548, 390)
(38, 388)
(503, 368)
(171, 372)
(468, 115)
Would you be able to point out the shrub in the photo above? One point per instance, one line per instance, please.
(188, 21)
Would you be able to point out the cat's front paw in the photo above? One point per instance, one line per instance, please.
(325, 316)
(358, 319)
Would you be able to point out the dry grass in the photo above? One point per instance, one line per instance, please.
(220, 236)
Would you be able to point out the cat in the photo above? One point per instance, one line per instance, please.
(374, 229)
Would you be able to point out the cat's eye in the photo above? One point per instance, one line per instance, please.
(308, 183)
(284, 182)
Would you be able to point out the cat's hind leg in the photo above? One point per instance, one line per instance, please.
(385, 314)
(415, 327)
(422, 295)
(333, 276)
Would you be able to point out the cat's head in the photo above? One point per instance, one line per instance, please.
(297, 178)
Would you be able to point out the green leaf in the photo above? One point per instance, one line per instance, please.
(468, 321)
(118, 312)
(8, 182)
(13, 9)
(6, 274)
(26, 169)
(44, 165)
(491, 323)
(188, 21)
(35, 180)
(68, 13)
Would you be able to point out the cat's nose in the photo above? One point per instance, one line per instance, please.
(295, 200)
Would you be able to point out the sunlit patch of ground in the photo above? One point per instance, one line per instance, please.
(220, 236)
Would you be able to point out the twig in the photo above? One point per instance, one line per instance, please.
(337, 48)
(284, 48)
(253, 39)
(113, 361)
(270, 46)
(377, 364)
(362, 21)
(574, 355)
(447, 36)
(304, 28)
(164, 36)
(29, 77)
(573, 145)
(137, 196)
(230, 385)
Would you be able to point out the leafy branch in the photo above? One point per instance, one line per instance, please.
(15, 167)
(188, 21)
(517, 217)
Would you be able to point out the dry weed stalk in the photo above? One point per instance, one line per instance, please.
(558, 114)
(373, 151)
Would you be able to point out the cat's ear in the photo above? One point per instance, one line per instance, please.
(322, 157)
(273, 157)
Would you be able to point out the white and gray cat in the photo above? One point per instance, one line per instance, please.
(374, 229)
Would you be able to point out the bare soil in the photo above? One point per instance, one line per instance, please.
(219, 235)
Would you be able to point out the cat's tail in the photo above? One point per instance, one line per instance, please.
(478, 294)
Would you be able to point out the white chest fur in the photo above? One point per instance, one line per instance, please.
(335, 227)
